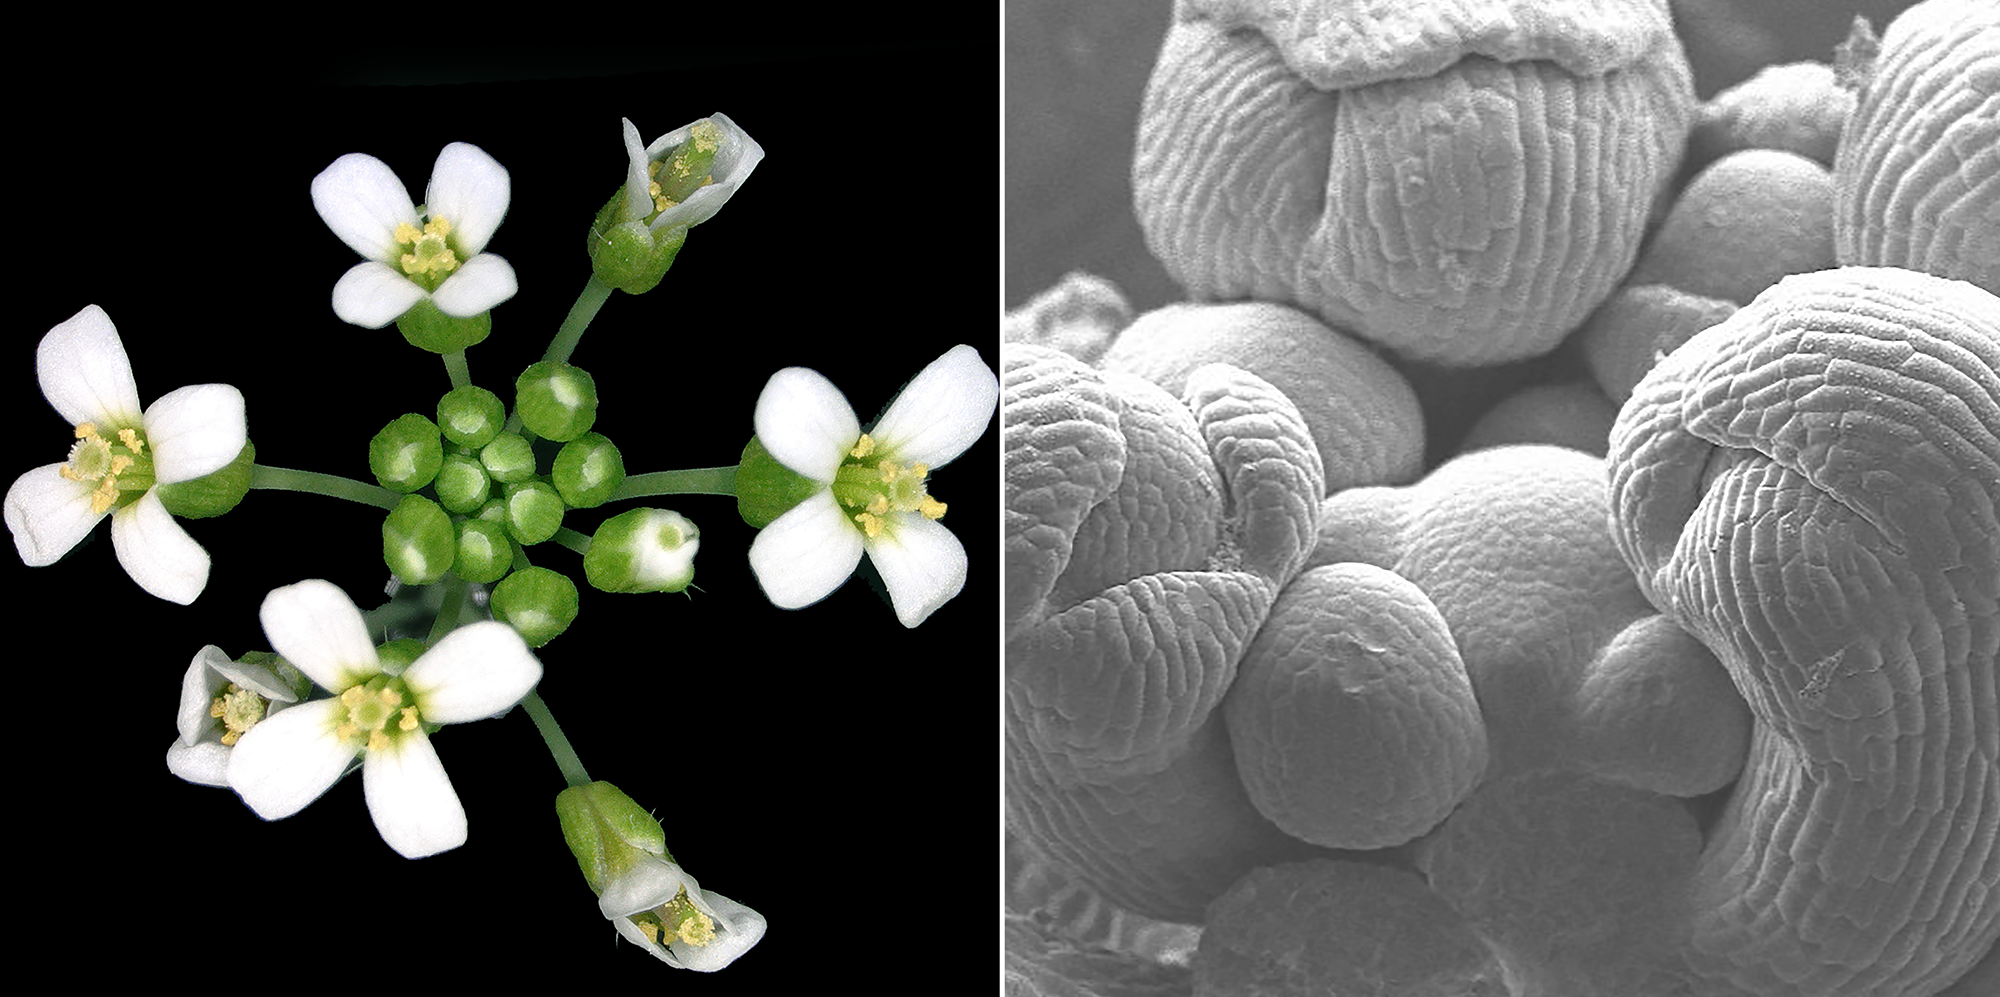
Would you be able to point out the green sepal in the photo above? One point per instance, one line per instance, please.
(616, 560)
(538, 603)
(399, 654)
(462, 483)
(766, 489)
(429, 329)
(211, 494)
(555, 400)
(470, 416)
(534, 511)
(484, 552)
(604, 828)
(630, 256)
(587, 470)
(406, 454)
(418, 542)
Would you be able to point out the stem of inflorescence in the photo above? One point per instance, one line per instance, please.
(331, 485)
(552, 735)
(693, 481)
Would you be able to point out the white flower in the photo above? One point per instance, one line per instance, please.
(220, 701)
(410, 257)
(684, 925)
(872, 495)
(288, 760)
(119, 454)
(735, 155)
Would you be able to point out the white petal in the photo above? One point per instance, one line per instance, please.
(484, 281)
(475, 672)
(737, 930)
(806, 553)
(471, 190)
(289, 759)
(156, 552)
(361, 200)
(314, 625)
(646, 884)
(921, 562)
(194, 431)
(805, 422)
(48, 514)
(85, 373)
(942, 411)
(636, 179)
(204, 764)
(411, 798)
(199, 684)
(372, 295)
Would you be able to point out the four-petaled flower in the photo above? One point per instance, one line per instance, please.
(410, 258)
(657, 905)
(289, 759)
(120, 453)
(871, 486)
(220, 701)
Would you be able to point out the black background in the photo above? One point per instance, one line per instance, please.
(794, 756)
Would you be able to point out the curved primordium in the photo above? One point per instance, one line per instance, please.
(1810, 487)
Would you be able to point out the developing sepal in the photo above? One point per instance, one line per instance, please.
(644, 550)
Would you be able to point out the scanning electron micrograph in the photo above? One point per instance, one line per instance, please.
(1502, 498)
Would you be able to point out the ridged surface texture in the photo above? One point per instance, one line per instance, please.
(1471, 216)
(1145, 540)
(1335, 44)
(1810, 487)
(1917, 177)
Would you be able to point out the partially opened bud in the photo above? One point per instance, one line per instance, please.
(679, 181)
(644, 550)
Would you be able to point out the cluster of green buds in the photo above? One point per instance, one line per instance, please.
(476, 495)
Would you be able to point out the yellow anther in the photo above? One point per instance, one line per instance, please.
(86, 429)
(409, 721)
(889, 470)
(130, 437)
(870, 524)
(377, 741)
(407, 233)
(931, 508)
(104, 495)
(353, 696)
(389, 697)
(429, 253)
(879, 505)
(863, 446)
(347, 731)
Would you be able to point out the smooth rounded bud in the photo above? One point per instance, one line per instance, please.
(470, 416)
(534, 511)
(418, 541)
(766, 489)
(555, 400)
(484, 551)
(211, 494)
(536, 602)
(644, 550)
(462, 483)
(429, 329)
(508, 458)
(406, 454)
(587, 470)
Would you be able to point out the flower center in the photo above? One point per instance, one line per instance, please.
(376, 710)
(686, 169)
(875, 487)
(239, 710)
(677, 920)
(112, 466)
(430, 258)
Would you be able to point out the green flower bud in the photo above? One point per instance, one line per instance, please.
(766, 489)
(644, 550)
(555, 400)
(484, 552)
(534, 511)
(587, 470)
(462, 483)
(470, 416)
(508, 458)
(406, 454)
(429, 329)
(418, 541)
(537, 602)
(211, 494)
(604, 827)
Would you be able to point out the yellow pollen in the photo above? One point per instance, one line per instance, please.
(86, 429)
(409, 721)
(870, 524)
(347, 731)
(879, 505)
(931, 508)
(429, 253)
(889, 470)
(131, 439)
(377, 741)
(863, 446)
